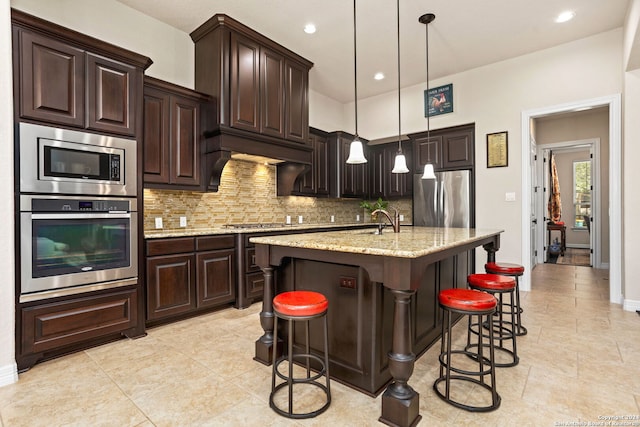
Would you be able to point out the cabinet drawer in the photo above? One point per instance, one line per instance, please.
(170, 246)
(209, 243)
(49, 326)
(252, 267)
(254, 285)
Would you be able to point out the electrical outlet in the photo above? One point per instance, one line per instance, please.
(158, 222)
(357, 218)
(333, 218)
(288, 219)
(510, 197)
(183, 221)
(299, 219)
(348, 282)
(401, 217)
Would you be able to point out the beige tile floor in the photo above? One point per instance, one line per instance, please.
(579, 362)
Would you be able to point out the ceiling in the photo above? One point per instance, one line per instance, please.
(465, 34)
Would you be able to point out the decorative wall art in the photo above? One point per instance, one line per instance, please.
(497, 150)
(438, 100)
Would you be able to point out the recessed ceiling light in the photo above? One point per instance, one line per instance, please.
(378, 76)
(309, 28)
(565, 16)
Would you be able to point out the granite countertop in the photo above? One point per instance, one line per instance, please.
(411, 242)
(187, 232)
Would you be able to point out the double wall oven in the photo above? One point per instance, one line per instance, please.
(78, 212)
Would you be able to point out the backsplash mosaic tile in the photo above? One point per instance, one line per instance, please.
(247, 194)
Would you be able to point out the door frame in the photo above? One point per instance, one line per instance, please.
(593, 145)
(614, 102)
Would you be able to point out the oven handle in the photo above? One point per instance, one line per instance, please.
(80, 215)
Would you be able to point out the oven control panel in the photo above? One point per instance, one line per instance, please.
(80, 205)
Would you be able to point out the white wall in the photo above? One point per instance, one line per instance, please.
(170, 49)
(326, 113)
(8, 373)
(494, 97)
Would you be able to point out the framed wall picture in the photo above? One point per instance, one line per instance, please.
(438, 101)
(497, 150)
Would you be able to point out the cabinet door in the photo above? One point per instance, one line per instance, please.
(457, 149)
(245, 83)
(271, 93)
(397, 184)
(185, 158)
(51, 80)
(378, 170)
(216, 278)
(316, 180)
(112, 95)
(427, 150)
(170, 285)
(296, 102)
(156, 136)
(353, 177)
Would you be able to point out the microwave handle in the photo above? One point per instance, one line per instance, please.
(87, 215)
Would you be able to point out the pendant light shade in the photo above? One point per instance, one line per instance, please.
(400, 164)
(428, 172)
(426, 19)
(356, 151)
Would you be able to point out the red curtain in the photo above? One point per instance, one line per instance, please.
(555, 204)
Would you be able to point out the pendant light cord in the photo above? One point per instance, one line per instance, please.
(428, 99)
(355, 67)
(399, 112)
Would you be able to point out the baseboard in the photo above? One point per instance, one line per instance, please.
(631, 305)
(8, 374)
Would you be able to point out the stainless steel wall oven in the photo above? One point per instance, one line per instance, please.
(76, 244)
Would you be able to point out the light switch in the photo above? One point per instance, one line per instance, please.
(288, 219)
(401, 217)
(299, 219)
(333, 218)
(509, 197)
(183, 221)
(158, 222)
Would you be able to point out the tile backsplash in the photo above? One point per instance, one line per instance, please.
(247, 194)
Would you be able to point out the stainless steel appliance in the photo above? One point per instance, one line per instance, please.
(444, 201)
(62, 161)
(76, 244)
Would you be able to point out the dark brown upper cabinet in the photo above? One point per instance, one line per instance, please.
(345, 180)
(261, 86)
(447, 149)
(315, 182)
(383, 183)
(70, 79)
(174, 119)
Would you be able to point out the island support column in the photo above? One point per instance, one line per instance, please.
(264, 344)
(400, 402)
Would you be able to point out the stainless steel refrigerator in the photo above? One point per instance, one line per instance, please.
(444, 201)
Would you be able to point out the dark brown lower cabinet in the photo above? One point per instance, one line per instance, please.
(189, 274)
(59, 325)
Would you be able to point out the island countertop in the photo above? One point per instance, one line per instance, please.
(410, 242)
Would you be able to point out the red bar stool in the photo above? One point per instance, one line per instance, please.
(514, 270)
(300, 306)
(471, 303)
(505, 329)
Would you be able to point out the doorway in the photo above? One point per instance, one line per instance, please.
(613, 102)
(578, 168)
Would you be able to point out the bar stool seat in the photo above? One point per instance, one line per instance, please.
(505, 327)
(515, 270)
(471, 303)
(300, 306)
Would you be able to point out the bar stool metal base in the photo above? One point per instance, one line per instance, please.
(486, 366)
(290, 380)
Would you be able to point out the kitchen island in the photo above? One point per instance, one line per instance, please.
(382, 292)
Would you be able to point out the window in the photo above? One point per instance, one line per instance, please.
(581, 193)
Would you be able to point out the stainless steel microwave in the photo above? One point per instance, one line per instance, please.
(62, 161)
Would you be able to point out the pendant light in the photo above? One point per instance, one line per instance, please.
(356, 152)
(400, 164)
(426, 19)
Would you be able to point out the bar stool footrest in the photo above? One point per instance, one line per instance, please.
(494, 405)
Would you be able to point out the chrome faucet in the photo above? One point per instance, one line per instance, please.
(395, 221)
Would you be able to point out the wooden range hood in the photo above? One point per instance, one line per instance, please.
(262, 94)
